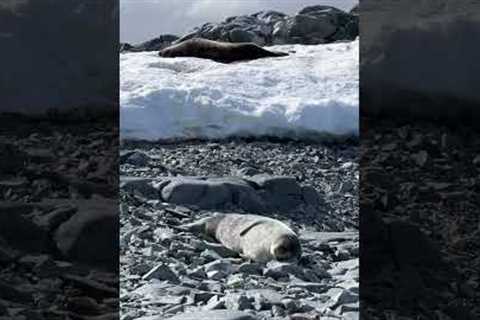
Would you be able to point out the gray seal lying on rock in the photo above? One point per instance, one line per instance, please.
(254, 237)
(224, 52)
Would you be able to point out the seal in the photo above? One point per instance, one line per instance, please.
(254, 237)
(224, 52)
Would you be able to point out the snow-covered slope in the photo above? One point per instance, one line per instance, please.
(313, 90)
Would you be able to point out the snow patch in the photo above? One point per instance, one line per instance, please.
(313, 90)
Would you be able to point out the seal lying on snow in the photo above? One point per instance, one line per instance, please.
(224, 52)
(254, 237)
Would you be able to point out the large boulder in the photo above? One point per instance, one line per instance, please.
(125, 46)
(316, 24)
(256, 194)
(155, 44)
(90, 236)
(213, 193)
(215, 315)
(312, 25)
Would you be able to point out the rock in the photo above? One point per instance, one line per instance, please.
(282, 193)
(156, 44)
(90, 236)
(239, 35)
(84, 305)
(277, 270)
(135, 158)
(210, 315)
(210, 255)
(344, 297)
(270, 17)
(197, 273)
(215, 303)
(7, 254)
(420, 158)
(411, 247)
(291, 305)
(237, 302)
(316, 24)
(312, 25)
(9, 292)
(311, 196)
(202, 296)
(212, 193)
(14, 225)
(219, 265)
(141, 187)
(216, 275)
(346, 24)
(39, 155)
(125, 47)
(161, 272)
(51, 219)
(11, 159)
(265, 297)
(310, 286)
(476, 160)
(247, 171)
(151, 290)
(250, 268)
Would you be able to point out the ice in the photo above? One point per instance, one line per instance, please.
(312, 91)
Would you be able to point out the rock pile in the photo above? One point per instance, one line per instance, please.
(420, 223)
(58, 221)
(311, 25)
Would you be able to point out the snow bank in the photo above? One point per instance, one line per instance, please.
(314, 90)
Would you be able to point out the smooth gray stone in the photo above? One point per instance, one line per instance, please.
(210, 315)
(213, 193)
(140, 186)
(90, 236)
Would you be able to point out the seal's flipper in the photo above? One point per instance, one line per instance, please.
(196, 227)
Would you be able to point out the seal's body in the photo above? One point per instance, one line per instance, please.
(224, 52)
(254, 237)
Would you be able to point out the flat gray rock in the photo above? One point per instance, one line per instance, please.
(213, 193)
(90, 236)
(211, 315)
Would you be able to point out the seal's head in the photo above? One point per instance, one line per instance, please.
(286, 249)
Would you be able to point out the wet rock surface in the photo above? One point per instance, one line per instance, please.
(170, 273)
(56, 190)
(420, 224)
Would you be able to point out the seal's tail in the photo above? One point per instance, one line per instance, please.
(279, 54)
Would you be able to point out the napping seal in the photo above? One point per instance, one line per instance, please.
(252, 236)
(224, 52)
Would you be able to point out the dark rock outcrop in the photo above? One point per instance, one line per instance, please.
(154, 44)
(311, 25)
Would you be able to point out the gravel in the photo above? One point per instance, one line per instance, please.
(198, 278)
(420, 223)
(57, 200)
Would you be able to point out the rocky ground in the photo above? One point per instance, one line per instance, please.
(166, 273)
(420, 227)
(58, 191)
